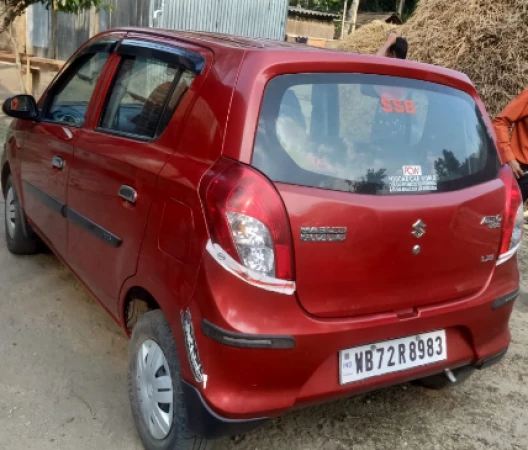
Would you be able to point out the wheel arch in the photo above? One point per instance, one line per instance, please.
(142, 294)
(138, 301)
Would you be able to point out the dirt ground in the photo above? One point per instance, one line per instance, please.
(63, 381)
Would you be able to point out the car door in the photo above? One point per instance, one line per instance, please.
(116, 163)
(47, 152)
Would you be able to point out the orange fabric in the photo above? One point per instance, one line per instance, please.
(514, 115)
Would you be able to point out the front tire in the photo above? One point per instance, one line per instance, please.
(20, 238)
(154, 381)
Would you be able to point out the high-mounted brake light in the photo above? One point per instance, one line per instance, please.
(512, 230)
(248, 225)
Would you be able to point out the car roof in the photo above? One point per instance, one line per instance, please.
(282, 49)
(217, 39)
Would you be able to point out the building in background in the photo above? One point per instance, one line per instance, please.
(321, 29)
(311, 24)
(252, 18)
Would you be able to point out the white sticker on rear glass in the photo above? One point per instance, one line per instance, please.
(413, 183)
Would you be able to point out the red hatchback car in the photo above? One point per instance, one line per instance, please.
(274, 225)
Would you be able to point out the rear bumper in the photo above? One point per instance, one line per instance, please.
(276, 357)
(209, 425)
(206, 423)
(492, 360)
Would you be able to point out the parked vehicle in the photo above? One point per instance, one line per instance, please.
(273, 225)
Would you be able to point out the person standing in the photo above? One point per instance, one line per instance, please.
(514, 150)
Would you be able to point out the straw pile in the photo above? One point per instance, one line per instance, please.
(486, 39)
(369, 38)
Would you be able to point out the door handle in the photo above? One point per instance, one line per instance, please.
(128, 194)
(58, 163)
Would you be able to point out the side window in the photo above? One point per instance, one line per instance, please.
(69, 102)
(144, 95)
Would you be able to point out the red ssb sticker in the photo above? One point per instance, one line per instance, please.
(397, 106)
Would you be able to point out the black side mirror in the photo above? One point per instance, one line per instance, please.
(21, 107)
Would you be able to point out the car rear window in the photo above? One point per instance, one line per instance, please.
(372, 134)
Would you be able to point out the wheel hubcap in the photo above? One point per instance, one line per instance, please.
(10, 208)
(154, 388)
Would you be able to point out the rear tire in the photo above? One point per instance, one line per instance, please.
(20, 238)
(153, 361)
(440, 381)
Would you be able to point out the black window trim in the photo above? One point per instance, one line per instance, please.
(188, 61)
(104, 45)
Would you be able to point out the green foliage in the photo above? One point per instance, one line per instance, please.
(68, 6)
(387, 6)
(336, 6)
(15, 8)
(320, 5)
(378, 5)
(74, 6)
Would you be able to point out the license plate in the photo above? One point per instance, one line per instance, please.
(380, 358)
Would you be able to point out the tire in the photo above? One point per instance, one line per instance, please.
(440, 381)
(152, 330)
(20, 238)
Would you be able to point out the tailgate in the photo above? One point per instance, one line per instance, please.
(408, 167)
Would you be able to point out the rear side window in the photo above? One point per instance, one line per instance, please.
(144, 96)
(372, 134)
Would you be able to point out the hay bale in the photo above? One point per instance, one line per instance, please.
(486, 39)
(367, 39)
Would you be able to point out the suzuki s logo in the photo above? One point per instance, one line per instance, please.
(419, 229)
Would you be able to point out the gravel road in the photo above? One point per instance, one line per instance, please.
(63, 369)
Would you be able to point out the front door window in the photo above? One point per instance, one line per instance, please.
(69, 101)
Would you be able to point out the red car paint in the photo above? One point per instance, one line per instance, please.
(369, 288)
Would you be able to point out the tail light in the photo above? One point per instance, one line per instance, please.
(247, 221)
(512, 229)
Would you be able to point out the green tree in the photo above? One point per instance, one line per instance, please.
(388, 6)
(336, 6)
(320, 5)
(14, 8)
